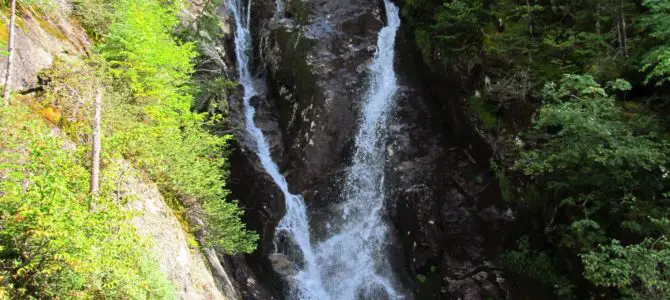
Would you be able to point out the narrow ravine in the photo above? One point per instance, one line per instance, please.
(352, 261)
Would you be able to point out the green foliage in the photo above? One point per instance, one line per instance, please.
(506, 187)
(149, 114)
(227, 230)
(657, 61)
(599, 167)
(484, 111)
(457, 23)
(539, 266)
(96, 16)
(595, 170)
(213, 95)
(144, 56)
(591, 160)
(542, 38)
(446, 30)
(56, 241)
(638, 270)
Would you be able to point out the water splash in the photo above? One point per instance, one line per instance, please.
(352, 262)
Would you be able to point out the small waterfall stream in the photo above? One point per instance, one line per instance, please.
(352, 262)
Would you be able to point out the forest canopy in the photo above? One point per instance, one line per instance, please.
(576, 94)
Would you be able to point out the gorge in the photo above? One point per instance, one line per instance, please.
(349, 262)
(335, 149)
(319, 98)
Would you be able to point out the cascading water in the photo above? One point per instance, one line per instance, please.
(355, 259)
(295, 222)
(352, 262)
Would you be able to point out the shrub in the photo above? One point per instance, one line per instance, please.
(56, 241)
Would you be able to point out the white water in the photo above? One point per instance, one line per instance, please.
(352, 262)
(295, 222)
(355, 259)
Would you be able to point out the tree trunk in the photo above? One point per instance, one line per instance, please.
(95, 151)
(618, 31)
(10, 57)
(623, 31)
(598, 31)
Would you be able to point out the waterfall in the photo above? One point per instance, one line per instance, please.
(355, 259)
(352, 262)
(295, 222)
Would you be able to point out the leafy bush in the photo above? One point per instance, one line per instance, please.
(539, 266)
(657, 61)
(95, 16)
(56, 241)
(640, 271)
(604, 177)
(149, 117)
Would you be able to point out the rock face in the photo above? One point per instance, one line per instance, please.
(443, 201)
(448, 208)
(180, 260)
(316, 61)
(39, 39)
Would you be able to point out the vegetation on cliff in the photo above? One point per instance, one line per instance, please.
(57, 240)
(580, 91)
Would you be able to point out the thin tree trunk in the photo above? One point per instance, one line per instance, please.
(95, 152)
(623, 31)
(530, 17)
(618, 31)
(598, 31)
(10, 48)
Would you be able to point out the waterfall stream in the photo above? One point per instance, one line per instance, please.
(352, 262)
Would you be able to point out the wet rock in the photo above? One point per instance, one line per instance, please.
(263, 204)
(313, 62)
(447, 199)
(282, 265)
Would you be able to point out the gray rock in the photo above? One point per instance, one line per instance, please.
(39, 40)
(282, 265)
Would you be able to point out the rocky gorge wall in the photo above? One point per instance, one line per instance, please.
(444, 203)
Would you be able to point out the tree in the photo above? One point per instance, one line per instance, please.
(656, 62)
(603, 179)
(95, 149)
(10, 50)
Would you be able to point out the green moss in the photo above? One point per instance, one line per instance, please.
(422, 39)
(506, 188)
(294, 53)
(484, 112)
(50, 28)
(300, 11)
